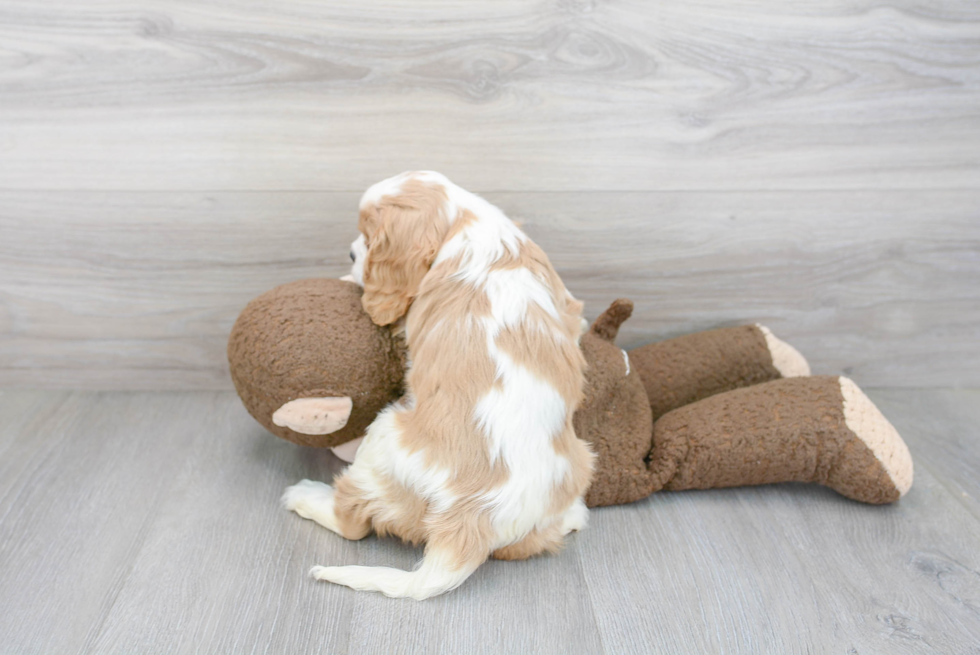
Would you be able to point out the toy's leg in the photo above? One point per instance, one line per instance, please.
(816, 429)
(681, 371)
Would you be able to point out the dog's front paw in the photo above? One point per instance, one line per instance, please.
(576, 517)
(309, 499)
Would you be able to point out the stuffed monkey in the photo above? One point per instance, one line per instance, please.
(723, 408)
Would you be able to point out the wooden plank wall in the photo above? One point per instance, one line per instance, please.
(811, 165)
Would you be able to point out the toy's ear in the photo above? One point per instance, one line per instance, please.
(403, 241)
(606, 327)
(314, 415)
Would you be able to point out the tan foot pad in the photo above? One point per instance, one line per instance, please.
(787, 359)
(866, 421)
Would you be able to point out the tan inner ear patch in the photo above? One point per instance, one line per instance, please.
(870, 425)
(314, 415)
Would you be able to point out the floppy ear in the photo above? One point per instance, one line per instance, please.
(400, 252)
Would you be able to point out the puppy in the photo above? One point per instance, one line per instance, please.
(479, 457)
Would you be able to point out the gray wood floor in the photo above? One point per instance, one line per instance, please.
(149, 523)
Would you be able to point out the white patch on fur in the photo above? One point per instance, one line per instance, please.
(626, 358)
(482, 242)
(382, 451)
(785, 358)
(359, 248)
(390, 187)
(521, 416)
(511, 291)
(522, 412)
(865, 420)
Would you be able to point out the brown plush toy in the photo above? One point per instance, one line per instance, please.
(310, 365)
(728, 407)
(723, 408)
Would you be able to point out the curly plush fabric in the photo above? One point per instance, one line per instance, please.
(686, 369)
(614, 415)
(789, 430)
(312, 339)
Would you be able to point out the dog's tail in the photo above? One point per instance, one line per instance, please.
(441, 570)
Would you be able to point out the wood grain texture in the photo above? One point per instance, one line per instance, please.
(150, 523)
(80, 477)
(569, 95)
(139, 290)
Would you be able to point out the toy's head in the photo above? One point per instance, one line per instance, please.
(310, 365)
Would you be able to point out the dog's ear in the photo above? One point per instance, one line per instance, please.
(404, 237)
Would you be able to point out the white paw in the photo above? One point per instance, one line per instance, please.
(576, 517)
(311, 500)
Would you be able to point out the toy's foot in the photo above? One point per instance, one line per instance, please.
(869, 425)
(314, 501)
(785, 358)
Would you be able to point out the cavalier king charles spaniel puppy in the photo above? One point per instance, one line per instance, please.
(479, 458)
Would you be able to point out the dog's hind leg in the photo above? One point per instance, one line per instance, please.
(312, 500)
(337, 508)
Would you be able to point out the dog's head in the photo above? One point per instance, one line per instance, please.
(403, 222)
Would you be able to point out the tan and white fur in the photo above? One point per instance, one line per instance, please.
(479, 457)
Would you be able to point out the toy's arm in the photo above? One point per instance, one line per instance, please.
(681, 371)
(815, 429)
